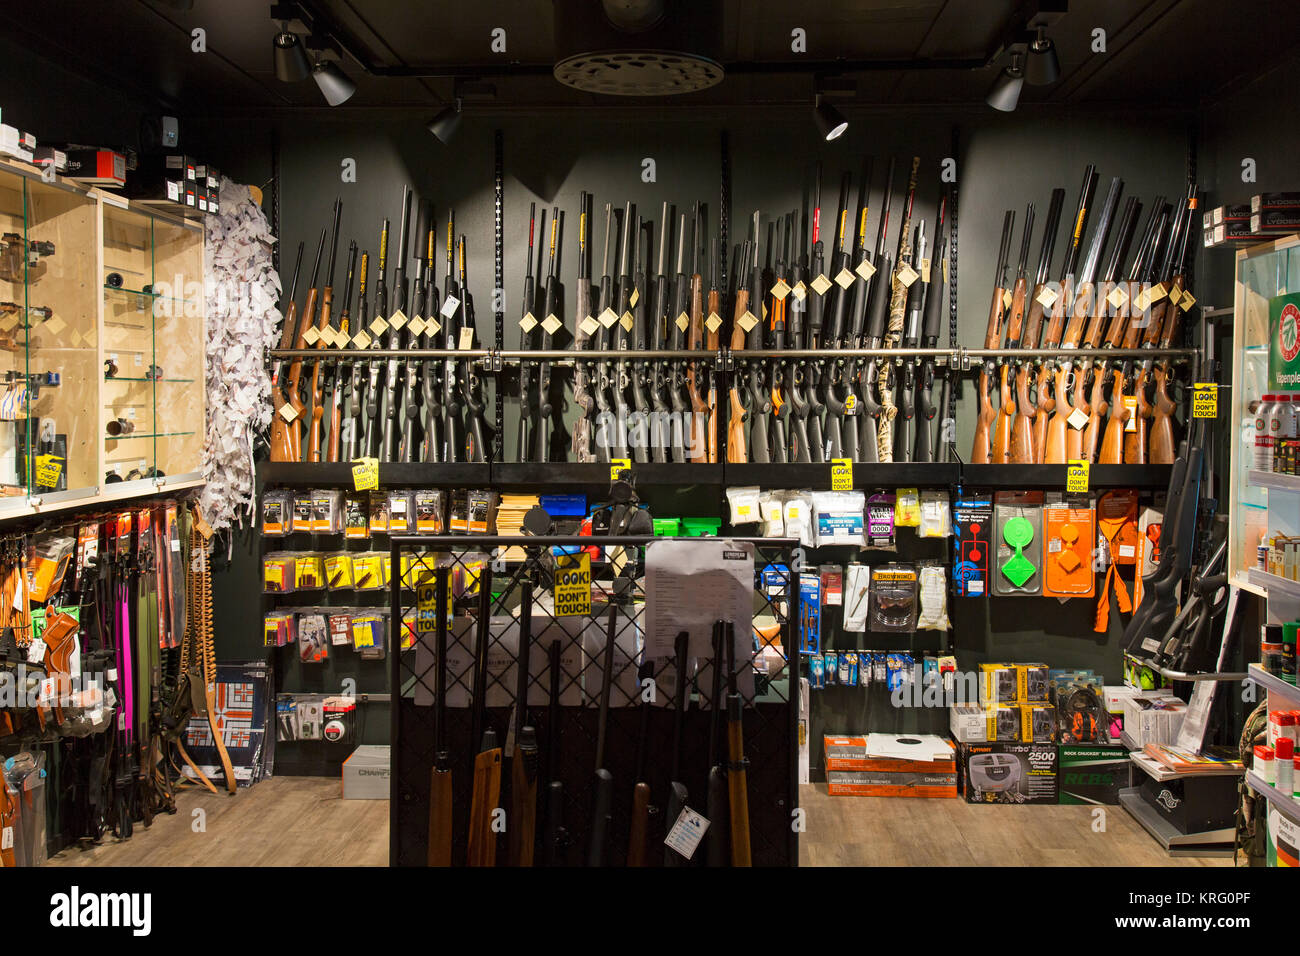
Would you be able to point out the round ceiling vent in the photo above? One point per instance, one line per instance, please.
(639, 73)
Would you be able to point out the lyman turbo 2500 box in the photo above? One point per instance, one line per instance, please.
(1009, 773)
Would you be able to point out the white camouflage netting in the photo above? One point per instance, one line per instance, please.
(243, 319)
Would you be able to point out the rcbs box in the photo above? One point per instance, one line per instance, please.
(1093, 773)
(1009, 773)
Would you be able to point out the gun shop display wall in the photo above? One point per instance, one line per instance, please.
(584, 425)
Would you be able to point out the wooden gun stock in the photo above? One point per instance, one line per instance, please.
(699, 441)
(1162, 446)
(984, 422)
(1135, 442)
(280, 447)
(1006, 413)
(1074, 436)
(440, 816)
(317, 396)
(1042, 411)
(1097, 407)
(1056, 426)
(293, 394)
(737, 783)
(1022, 427)
(712, 343)
(523, 798)
(640, 826)
(486, 796)
(1112, 443)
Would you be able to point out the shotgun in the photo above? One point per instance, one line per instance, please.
(639, 832)
(374, 423)
(816, 305)
(738, 409)
(557, 835)
(832, 373)
(429, 327)
(897, 315)
(981, 453)
(476, 446)
(626, 321)
(698, 450)
(677, 795)
(1009, 444)
(639, 376)
(524, 765)
(527, 324)
(905, 419)
(324, 334)
(280, 448)
(1135, 440)
(337, 388)
(877, 323)
(602, 791)
(661, 423)
(440, 792)
(354, 408)
(796, 371)
(603, 426)
(718, 797)
(933, 278)
(390, 402)
(777, 333)
(737, 765)
(584, 328)
(859, 405)
(1031, 417)
(1162, 425)
(679, 402)
(1059, 406)
(409, 438)
(294, 389)
(760, 398)
(487, 763)
(713, 341)
(550, 304)
(453, 430)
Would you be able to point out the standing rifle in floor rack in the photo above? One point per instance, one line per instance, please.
(905, 427)
(621, 379)
(838, 443)
(429, 326)
(861, 406)
(926, 410)
(321, 338)
(882, 264)
(391, 325)
(524, 762)
(1024, 429)
(639, 380)
(527, 323)
(777, 329)
(661, 415)
(604, 425)
(897, 315)
(1097, 325)
(1003, 445)
(1049, 439)
(411, 417)
(1120, 406)
(441, 803)
(815, 310)
(486, 791)
(1177, 300)
(550, 324)
(353, 438)
(737, 409)
(280, 447)
(476, 446)
(701, 449)
(585, 327)
(338, 385)
(986, 416)
(294, 409)
(371, 446)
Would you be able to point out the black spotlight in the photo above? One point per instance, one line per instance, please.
(830, 121)
(333, 82)
(1043, 66)
(1005, 93)
(291, 63)
(445, 124)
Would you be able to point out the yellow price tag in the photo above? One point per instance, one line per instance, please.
(365, 474)
(1205, 400)
(617, 466)
(48, 470)
(572, 584)
(841, 474)
(1076, 476)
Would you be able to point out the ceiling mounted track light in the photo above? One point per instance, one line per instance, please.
(830, 121)
(446, 123)
(333, 82)
(291, 63)
(1005, 93)
(1042, 67)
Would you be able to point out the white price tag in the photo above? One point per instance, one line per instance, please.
(713, 322)
(1078, 418)
(528, 322)
(449, 306)
(397, 320)
(907, 275)
(378, 326)
(311, 337)
(287, 412)
(627, 321)
(466, 339)
(432, 326)
(361, 340)
(687, 832)
(608, 318)
(845, 279)
(820, 285)
(551, 325)
(780, 290)
(589, 326)
(747, 322)
(683, 321)
(36, 651)
(800, 291)
(866, 270)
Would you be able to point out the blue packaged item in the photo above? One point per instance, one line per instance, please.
(816, 677)
(849, 668)
(810, 614)
(830, 666)
(564, 506)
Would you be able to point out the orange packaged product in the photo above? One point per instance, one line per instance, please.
(1069, 538)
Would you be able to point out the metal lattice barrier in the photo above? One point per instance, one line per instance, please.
(768, 684)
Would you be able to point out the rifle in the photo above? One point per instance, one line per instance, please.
(832, 373)
(1009, 444)
(795, 376)
(487, 764)
(637, 849)
(1162, 426)
(897, 310)
(981, 453)
(476, 427)
(602, 792)
(1135, 441)
(1097, 405)
(738, 410)
(737, 765)
(700, 402)
(388, 408)
(815, 305)
(410, 438)
(877, 321)
(557, 835)
(925, 407)
(676, 409)
(603, 383)
(336, 403)
(639, 414)
(292, 446)
(1053, 434)
(527, 323)
(677, 796)
(453, 431)
(323, 334)
(625, 324)
(905, 419)
(441, 805)
(661, 420)
(353, 435)
(717, 806)
(1031, 418)
(760, 398)
(859, 374)
(550, 303)
(373, 424)
(280, 447)
(776, 317)
(431, 391)
(582, 371)
(524, 765)
(712, 342)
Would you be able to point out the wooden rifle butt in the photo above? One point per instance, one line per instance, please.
(1001, 436)
(1162, 447)
(1022, 426)
(738, 790)
(639, 833)
(1098, 408)
(1042, 411)
(984, 422)
(523, 804)
(1055, 453)
(486, 795)
(736, 430)
(440, 818)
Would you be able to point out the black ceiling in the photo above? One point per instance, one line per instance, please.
(1167, 53)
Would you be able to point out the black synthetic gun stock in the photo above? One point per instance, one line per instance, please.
(623, 310)
(374, 424)
(410, 435)
(662, 321)
(390, 399)
(677, 795)
(760, 411)
(338, 388)
(550, 304)
(476, 446)
(602, 793)
(452, 394)
(557, 835)
(639, 414)
(354, 434)
(527, 323)
(601, 422)
(925, 407)
(441, 807)
(430, 388)
(522, 828)
(859, 400)
(877, 319)
(583, 371)
(717, 808)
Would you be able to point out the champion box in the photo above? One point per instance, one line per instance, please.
(1093, 773)
(850, 771)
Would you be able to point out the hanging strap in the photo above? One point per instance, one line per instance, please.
(1110, 529)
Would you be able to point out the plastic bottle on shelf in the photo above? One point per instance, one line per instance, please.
(1284, 757)
(1263, 446)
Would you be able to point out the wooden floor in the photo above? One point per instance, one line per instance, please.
(302, 821)
(284, 821)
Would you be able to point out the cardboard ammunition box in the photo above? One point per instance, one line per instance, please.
(999, 684)
(366, 773)
(1093, 773)
(1275, 220)
(1263, 201)
(968, 723)
(97, 167)
(1009, 773)
(1153, 720)
(1239, 212)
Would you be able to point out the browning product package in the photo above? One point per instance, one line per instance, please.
(893, 599)
(1018, 533)
(972, 515)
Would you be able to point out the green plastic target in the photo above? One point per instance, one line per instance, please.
(1018, 532)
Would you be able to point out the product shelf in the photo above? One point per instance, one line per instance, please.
(1288, 805)
(1274, 583)
(1272, 683)
(1270, 479)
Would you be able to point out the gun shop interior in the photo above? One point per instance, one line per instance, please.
(880, 415)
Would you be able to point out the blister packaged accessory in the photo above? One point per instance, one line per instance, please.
(276, 515)
(799, 515)
(341, 628)
(893, 599)
(401, 512)
(880, 521)
(277, 573)
(1070, 536)
(816, 675)
(308, 571)
(810, 614)
(832, 576)
(301, 508)
(972, 515)
(313, 638)
(936, 517)
(857, 590)
(849, 668)
(338, 571)
(1018, 543)
(429, 507)
(840, 517)
(907, 508)
(481, 515)
(326, 510)
(278, 629)
(744, 504)
(379, 512)
(933, 589)
(948, 674)
(368, 571)
(356, 516)
(458, 512)
(369, 634)
(830, 667)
